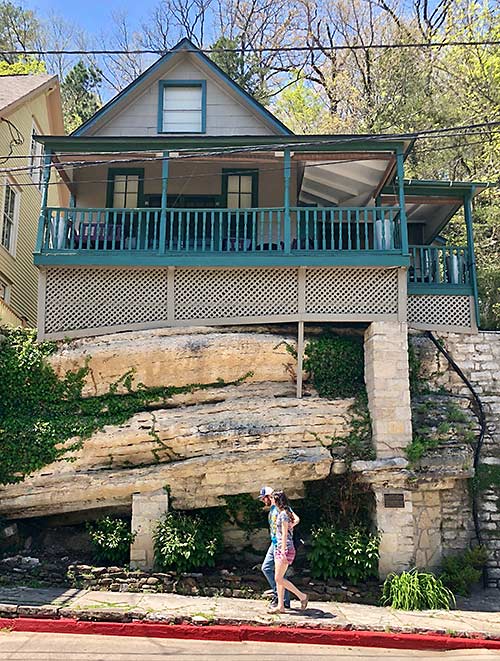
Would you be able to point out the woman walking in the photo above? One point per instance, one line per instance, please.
(284, 553)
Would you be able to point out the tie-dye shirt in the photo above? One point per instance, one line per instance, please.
(273, 524)
(283, 517)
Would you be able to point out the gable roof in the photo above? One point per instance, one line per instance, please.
(15, 89)
(185, 45)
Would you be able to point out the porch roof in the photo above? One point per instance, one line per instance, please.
(300, 143)
(433, 202)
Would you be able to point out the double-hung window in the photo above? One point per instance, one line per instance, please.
(10, 214)
(36, 159)
(240, 188)
(125, 188)
(182, 106)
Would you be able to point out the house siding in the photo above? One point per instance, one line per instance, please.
(226, 114)
(18, 269)
(189, 177)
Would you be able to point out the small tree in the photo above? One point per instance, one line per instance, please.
(80, 96)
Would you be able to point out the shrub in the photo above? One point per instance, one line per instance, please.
(185, 541)
(336, 365)
(111, 539)
(460, 572)
(345, 554)
(414, 591)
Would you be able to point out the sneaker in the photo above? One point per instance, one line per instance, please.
(268, 593)
(273, 602)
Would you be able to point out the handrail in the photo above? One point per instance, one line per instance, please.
(221, 230)
(439, 265)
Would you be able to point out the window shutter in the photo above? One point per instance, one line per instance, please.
(182, 109)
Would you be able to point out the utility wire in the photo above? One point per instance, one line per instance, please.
(280, 49)
(194, 153)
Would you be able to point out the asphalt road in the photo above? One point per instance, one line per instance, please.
(68, 647)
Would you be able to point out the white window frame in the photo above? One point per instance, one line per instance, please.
(6, 286)
(35, 159)
(10, 183)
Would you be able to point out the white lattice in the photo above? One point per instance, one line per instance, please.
(230, 293)
(79, 298)
(432, 311)
(346, 291)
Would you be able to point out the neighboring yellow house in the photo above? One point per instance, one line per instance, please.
(29, 105)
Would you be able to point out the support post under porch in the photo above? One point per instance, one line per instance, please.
(147, 509)
(300, 357)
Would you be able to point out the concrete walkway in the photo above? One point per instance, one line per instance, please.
(177, 609)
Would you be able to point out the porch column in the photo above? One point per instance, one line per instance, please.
(402, 213)
(47, 163)
(286, 200)
(470, 248)
(163, 213)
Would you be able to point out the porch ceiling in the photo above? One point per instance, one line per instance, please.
(351, 183)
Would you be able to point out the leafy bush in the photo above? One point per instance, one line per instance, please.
(111, 539)
(415, 591)
(460, 572)
(336, 365)
(185, 541)
(346, 554)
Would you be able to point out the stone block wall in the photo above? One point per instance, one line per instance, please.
(387, 384)
(457, 527)
(478, 355)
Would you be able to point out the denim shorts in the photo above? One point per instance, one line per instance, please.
(289, 556)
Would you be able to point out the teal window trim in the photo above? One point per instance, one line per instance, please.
(227, 172)
(162, 84)
(112, 172)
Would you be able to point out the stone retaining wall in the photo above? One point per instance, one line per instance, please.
(478, 355)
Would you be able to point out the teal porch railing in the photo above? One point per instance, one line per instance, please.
(439, 265)
(220, 230)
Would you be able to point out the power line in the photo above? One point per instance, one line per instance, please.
(281, 49)
(448, 132)
(197, 175)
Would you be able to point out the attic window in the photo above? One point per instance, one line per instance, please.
(182, 106)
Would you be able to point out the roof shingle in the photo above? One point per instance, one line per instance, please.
(14, 88)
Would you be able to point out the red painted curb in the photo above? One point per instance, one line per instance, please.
(251, 633)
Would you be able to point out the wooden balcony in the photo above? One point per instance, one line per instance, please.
(364, 236)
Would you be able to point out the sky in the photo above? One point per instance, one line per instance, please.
(92, 15)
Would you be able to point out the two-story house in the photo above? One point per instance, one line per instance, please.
(192, 204)
(30, 106)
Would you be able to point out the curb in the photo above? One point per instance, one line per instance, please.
(248, 633)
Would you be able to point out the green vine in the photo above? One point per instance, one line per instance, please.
(358, 443)
(244, 511)
(487, 477)
(43, 417)
(336, 364)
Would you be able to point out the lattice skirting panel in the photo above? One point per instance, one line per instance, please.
(441, 312)
(83, 300)
(350, 290)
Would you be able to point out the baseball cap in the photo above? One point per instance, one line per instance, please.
(265, 491)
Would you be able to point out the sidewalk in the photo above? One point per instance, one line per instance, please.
(87, 605)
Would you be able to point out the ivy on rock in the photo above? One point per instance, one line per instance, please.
(44, 417)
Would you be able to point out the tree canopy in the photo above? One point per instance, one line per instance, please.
(357, 89)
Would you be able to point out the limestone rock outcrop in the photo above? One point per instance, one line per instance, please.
(211, 443)
(177, 357)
